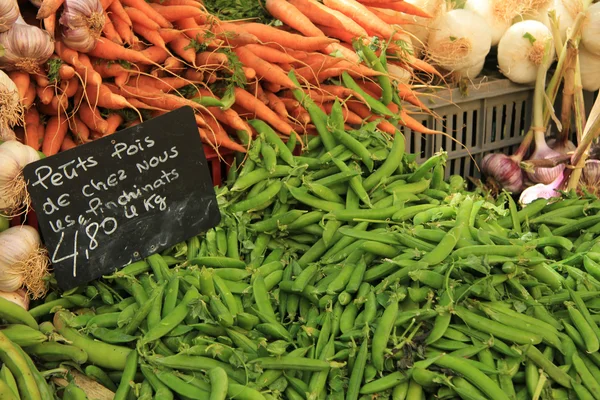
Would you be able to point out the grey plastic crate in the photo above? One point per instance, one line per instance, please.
(492, 116)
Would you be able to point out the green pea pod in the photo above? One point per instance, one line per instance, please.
(74, 392)
(26, 383)
(375, 105)
(218, 383)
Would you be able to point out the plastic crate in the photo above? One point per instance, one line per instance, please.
(491, 115)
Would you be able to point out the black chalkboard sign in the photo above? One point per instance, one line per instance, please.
(124, 197)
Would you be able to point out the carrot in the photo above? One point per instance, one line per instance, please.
(151, 35)
(340, 20)
(174, 13)
(48, 109)
(234, 34)
(60, 102)
(168, 35)
(92, 118)
(69, 87)
(340, 91)
(363, 112)
(212, 58)
(32, 123)
(29, 97)
(322, 15)
(401, 6)
(21, 80)
(270, 54)
(273, 87)
(256, 89)
(112, 51)
(276, 104)
(165, 84)
(41, 79)
(407, 94)
(149, 11)
(286, 67)
(173, 64)
(349, 116)
(116, 8)
(155, 54)
(412, 124)
(200, 121)
(137, 103)
(56, 129)
(110, 31)
(97, 135)
(50, 24)
(193, 75)
(139, 18)
(48, 8)
(192, 3)
(390, 16)
(296, 111)
(87, 70)
(79, 130)
(154, 97)
(123, 29)
(264, 69)
(182, 47)
(250, 103)
(114, 120)
(45, 94)
(217, 136)
(106, 4)
(231, 118)
(191, 28)
(292, 17)
(66, 72)
(108, 69)
(106, 98)
(67, 144)
(362, 16)
(338, 33)
(422, 66)
(274, 36)
(249, 73)
(69, 56)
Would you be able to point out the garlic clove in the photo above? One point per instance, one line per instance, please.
(505, 171)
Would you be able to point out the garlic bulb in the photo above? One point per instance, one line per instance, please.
(23, 261)
(503, 170)
(541, 191)
(26, 47)
(590, 34)
(82, 21)
(521, 50)
(9, 12)
(19, 297)
(566, 12)
(10, 103)
(7, 134)
(591, 174)
(14, 156)
(589, 67)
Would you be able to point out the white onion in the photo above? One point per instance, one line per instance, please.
(461, 39)
(590, 34)
(470, 72)
(519, 58)
(421, 26)
(589, 65)
(497, 13)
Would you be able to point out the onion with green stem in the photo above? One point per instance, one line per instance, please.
(14, 156)
(23, 261)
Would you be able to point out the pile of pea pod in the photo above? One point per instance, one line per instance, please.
(348, 272)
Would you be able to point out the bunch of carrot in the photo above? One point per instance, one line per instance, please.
(153, 57)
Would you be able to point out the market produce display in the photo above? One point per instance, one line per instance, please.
(341, 269)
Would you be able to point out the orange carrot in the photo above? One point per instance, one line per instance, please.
(193, 75)
(422, 65)
(191, 28)
(229, 116)
(149, 11)
(41, 79)
(123, 29)
(155, 54)
(234, 34)
(116, 8)
(110, 31)
(50, 24)
(250, 103)
(21, 80)
(401, 6)
(151, 35)
(154, 97)
(60, 102)
(390, 16)
(340, 91)
(66, 72)
(276, 104)
(174, 13)
(340, 20)
(32, 122)
(56, 129)
(165, 84)
(67, 143)
(114, 120)
(362, 16)
(200, 121)
(168, 35)
(87, 71)
(106, 4)
(105, 98)
(173, 64)
(45, 94)
(273, 87)
(256, 89)
(192, 3)
(363, 112)
(412, 124)
(108, 69)
(296, 111)
(69, 87)
(277, 37)
(264, 69)
(137, 103)
(292, 17)
(91, 118)
(112, 51)
(79, 130)
(217, 136)
(139, 18)
(319, 14)
(183, 49)
(249, 73)
(338, 33)
(69, 56)
(211, 58)
(48, 8)
(29, 97)
(270, 54)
